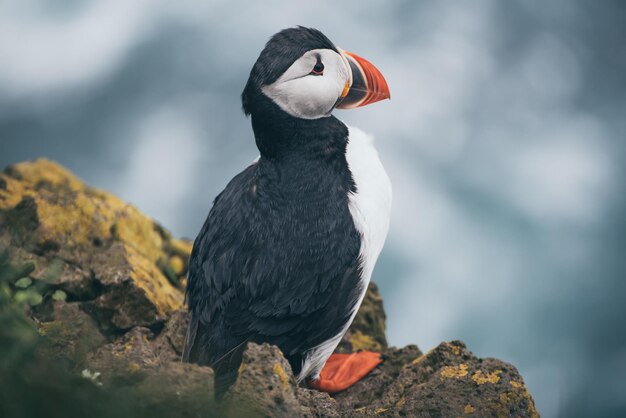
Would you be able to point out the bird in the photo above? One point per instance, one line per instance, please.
(287, 250)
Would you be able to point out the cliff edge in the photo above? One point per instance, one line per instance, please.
(91, 302)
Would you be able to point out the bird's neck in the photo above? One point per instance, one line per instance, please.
(280, 136)
(302, 159)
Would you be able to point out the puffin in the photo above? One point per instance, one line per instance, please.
(287, 250)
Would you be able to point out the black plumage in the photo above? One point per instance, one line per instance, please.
(277, 259)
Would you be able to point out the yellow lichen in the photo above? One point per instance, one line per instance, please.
(522, 392)
(134, 367)
(63, 209)
(454, 371)
(280, 372)
(177, 265)
(401, 402)
(380, 410)
(126, 348)
(74, 215)
(147, 276)
(30, 175)
(469, 409)
(418, 359)
(138, 231)
(360, 341)
(481, 378)
(508, 398)
(181, 247)
(68, 211)
(456, 350)
(514, 398)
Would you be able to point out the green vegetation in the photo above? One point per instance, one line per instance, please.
(34, 385)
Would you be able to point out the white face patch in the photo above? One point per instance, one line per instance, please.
(308, 96)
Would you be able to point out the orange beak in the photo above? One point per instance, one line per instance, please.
(367, 85)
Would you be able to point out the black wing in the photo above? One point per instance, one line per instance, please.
(269, 267)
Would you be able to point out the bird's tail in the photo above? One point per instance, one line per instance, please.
(226, 370)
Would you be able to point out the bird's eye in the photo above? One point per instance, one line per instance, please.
(318, 69)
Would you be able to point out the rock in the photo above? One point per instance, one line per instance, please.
(91, 245)
(317, 404)
(174, 331)
(177, 389)
(373, 385)
(103, 286)
(265, 386)
(70, 335)
(138, 364)
(367, 331)
(448, 381)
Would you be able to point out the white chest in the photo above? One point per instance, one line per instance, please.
(370, 206)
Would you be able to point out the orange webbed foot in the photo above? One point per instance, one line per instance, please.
(343, 370)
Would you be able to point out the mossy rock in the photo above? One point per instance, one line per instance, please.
(106, 329)
(448, 381)
(83, 240)
(367, 331)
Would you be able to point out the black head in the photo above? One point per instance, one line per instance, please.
(299, 78)
(280, 52)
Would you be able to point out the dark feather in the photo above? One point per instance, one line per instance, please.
(277, 258)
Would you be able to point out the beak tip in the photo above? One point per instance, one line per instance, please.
(368, 83)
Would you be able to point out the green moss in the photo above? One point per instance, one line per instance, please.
(34, 386)
(23, 283)
(59, 295)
